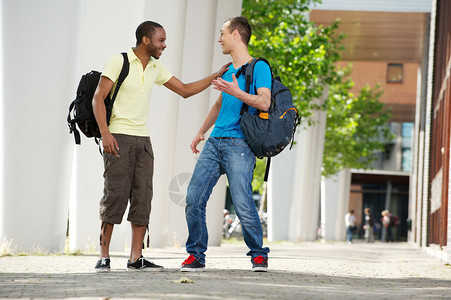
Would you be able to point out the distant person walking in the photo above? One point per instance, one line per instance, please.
(369, 226)
(350, 222)
(389, 221)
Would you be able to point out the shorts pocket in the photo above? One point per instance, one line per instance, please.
(116, 166)
(149, 192)
(148, 147)
(148, 162)
(114, 184)
(114, 190)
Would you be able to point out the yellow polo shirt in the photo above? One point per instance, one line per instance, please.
(131, 107)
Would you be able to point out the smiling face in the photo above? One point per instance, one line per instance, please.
(225, 38)
(156, 43)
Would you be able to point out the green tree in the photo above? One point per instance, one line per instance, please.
(356, 127)
(305, 56)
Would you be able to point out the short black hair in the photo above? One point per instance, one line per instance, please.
(146, 28)
(241, 24)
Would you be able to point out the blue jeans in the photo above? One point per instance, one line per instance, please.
(349, 233)
(233, 157)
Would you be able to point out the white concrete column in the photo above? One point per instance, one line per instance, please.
(199, 52)
(416, 175)
(413, 186)
(197, 63)
(163, 119)
(416, 178)
(294, 184)
(330, 188)
(343, 204)
(334, 205)
(304, 212)
(428, 129)
(280, 193)
(36, 74)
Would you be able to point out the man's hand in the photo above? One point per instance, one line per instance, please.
(197, 139)
(223, 69)
(230, 88)
(110, 144)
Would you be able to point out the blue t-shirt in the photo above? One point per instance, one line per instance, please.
(228, 122)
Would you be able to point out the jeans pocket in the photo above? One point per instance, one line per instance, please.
(240, 143)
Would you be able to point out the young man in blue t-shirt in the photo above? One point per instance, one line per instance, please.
(226, 151)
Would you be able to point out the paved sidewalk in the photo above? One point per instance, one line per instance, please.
(297, 271)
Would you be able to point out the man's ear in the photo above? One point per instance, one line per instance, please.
(235, 34)
(145, 40)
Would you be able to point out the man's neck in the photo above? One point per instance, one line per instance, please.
(141, 53)
(240, 56)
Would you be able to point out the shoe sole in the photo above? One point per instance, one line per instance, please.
(145, 269)
(192, 269)
(259, 269)
(102, 270)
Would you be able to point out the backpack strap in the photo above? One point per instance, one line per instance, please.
(268, 163)
(72, 127)
(248, 71)
(124, 73)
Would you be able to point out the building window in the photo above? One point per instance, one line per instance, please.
(406, 161)
(394, 73)
(406, 146)
(407, 130)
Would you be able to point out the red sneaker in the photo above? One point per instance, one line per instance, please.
(192, 264)
(259, 264)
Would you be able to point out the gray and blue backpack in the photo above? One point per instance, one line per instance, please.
(269, 132)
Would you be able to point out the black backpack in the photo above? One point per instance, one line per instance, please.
(269, 132)
(81, 107)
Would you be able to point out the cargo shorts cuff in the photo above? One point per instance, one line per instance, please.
(111, 219)
(139, 221)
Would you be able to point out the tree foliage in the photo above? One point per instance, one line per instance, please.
(305, 56)
(356, 126)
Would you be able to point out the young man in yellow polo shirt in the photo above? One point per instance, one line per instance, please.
(128, 154)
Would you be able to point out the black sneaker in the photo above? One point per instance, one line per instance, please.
(259, 264)
(142, 264)
(103, 265)
(192, 264)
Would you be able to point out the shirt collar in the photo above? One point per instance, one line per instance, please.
(132, 56)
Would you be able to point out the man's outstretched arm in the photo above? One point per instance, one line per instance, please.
(189, 89)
